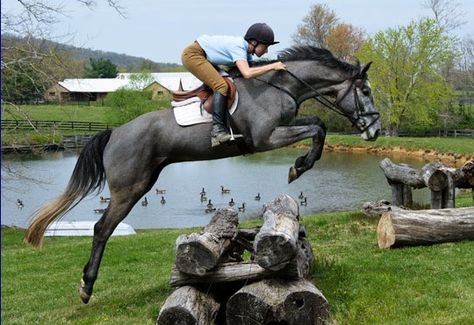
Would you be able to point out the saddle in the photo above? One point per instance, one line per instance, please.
(204, 93)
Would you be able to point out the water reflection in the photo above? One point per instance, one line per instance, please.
(339, 181)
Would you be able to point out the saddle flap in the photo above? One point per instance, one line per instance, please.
(204, 93)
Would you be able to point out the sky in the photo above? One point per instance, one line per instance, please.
(159, 29)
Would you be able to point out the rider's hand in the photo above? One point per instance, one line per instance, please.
(279, 66)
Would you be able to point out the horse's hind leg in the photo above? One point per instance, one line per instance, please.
(117, 210)
(122, 199)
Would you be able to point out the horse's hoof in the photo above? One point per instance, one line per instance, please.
(292, 175)
(85, 297)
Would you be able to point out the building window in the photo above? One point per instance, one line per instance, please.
(52, 93)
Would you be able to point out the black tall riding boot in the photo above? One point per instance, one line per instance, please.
(219, 133)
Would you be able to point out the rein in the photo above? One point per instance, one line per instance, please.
(334, 106)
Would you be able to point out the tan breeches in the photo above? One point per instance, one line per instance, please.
(194, 59)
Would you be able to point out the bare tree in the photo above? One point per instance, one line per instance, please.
(321, 28)
(447, 13)
(29, 62)
(316, 26)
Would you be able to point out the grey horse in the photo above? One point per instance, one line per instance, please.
(131, 157)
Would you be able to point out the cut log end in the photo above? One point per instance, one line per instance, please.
(273, 252)
(385, 231)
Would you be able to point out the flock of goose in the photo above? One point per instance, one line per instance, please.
(209, 206)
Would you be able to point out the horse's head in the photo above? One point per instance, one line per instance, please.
(320, 74)
(354, 100)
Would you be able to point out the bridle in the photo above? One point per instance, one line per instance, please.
(356, 118)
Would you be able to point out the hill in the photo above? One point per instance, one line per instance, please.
(125, 62)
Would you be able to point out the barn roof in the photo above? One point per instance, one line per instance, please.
(103, 85)
(169, 80)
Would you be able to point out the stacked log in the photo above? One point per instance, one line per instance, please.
(272, 287)
(441, 180)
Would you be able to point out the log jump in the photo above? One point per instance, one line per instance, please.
(214, 285)
(440, 179)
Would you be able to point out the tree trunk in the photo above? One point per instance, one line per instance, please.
(275, 244)
(299, 267)
(277, 301)
(198, 253)
(188, 305)
(423, 227)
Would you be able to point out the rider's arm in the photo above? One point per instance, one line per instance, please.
(253, 72)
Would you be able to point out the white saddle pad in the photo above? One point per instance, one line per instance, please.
(189, 111)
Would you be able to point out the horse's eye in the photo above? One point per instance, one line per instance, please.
(366, 91)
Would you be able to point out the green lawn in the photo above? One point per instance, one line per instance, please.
(57, 113)
(364, 285)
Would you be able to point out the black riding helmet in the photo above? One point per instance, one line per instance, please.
(261, 33)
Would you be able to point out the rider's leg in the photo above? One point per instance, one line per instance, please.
(219, 133)
(194, 59)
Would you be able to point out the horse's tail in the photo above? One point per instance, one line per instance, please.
(88, 175)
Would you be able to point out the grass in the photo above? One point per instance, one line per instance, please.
(57, 113)
(364, 285)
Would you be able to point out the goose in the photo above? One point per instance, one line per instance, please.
(162, 201)
(257, 198)
(209, 210)
(19, 203)
(160, 191)
(203, 193)
(99, 210)
(203, 198)
(145, 202)
(301, 196)
(304, 202)
(231, 202)
(209, 204)
(242, 208)
(104, 199)
(224, 190)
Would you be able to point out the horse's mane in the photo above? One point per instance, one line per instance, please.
(307, 53)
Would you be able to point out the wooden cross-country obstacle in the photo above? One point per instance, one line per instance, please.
(440, 179)
(214, 285)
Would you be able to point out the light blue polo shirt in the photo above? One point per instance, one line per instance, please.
(224, 50)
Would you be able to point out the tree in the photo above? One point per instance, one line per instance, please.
(321, 28)
(101, 68)
(138, 81)
(406, 74)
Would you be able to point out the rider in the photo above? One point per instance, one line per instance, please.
(207, 52)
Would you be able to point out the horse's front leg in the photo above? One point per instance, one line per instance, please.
(311, 127)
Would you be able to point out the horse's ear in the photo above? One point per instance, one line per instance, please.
(364, 69)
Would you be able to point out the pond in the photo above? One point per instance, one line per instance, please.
(339, 181)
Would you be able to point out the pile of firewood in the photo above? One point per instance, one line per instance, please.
(214, 285)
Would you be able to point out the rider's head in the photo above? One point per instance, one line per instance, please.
(260, 36)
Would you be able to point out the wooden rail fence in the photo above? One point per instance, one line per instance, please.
(58, 125)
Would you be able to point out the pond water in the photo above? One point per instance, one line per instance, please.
(339, 181)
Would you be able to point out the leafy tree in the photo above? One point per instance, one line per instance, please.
(138, 81)
(101, 68)
(406, 74)
(128, 104)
